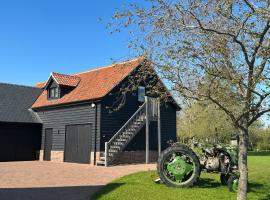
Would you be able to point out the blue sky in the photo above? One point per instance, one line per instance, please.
(65, 36)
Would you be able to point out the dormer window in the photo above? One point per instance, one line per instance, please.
(54, 93)
(58, 85)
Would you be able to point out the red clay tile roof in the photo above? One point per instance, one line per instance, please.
(66, 80)
(93, 84)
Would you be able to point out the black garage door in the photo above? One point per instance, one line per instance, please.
(19, 142)
(78, 141)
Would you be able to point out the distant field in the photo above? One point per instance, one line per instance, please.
(140, 186)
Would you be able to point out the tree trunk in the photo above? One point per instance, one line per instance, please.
(242, 165)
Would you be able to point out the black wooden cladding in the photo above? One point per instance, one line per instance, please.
(168, 124)
(19, 141)
(168, 131)
(111, 122)
(59, 118)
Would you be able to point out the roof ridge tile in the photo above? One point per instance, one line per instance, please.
(108, 66)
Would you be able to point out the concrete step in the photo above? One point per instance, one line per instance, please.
(100, 163)
(102, 159)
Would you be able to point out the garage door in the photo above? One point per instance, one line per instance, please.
(19, 142)
(78, 142)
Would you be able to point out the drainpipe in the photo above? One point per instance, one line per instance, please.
(95, 146)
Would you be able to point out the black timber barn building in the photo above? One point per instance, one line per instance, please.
(74, 115)
(20, 129)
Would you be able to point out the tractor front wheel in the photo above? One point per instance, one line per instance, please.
(233, 183)
(178, 166)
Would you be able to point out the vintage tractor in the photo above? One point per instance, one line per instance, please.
(181, 165)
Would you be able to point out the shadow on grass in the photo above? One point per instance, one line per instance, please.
(254, 187)
(267, 197)
(207, 183)
(260, 190)
(212, 183)
(106, 190)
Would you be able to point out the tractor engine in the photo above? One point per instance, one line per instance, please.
(215, 160)
(212, 164)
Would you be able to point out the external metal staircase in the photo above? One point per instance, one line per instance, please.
(146, 112)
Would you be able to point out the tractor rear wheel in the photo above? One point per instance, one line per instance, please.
(179, 166)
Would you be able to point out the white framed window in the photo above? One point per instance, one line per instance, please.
(53, 93)
(141, 94)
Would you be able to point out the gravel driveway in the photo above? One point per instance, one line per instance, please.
(36, 180)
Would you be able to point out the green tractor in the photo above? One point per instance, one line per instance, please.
(181, 165)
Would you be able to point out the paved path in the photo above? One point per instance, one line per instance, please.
(38, 180)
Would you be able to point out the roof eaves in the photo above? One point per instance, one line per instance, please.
(67, 104)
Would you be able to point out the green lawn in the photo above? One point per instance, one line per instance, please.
(140, 186)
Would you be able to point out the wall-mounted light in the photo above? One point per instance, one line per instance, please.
(93, 105)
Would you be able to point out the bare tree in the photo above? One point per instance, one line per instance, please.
(209, 50)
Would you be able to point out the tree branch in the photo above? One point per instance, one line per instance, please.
(260, 70)
(261, 39)
(250, 5)
(254, 118)
(234, 37)
(229, 113)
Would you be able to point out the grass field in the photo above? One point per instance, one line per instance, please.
(140, 186)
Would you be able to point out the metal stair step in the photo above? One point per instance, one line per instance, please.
(125, 137)
(113, 151)
(119, 143)
(121, 140)
(128, 133)
(115, 147)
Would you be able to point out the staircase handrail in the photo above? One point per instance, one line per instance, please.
(150, 103)
(130, 119)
